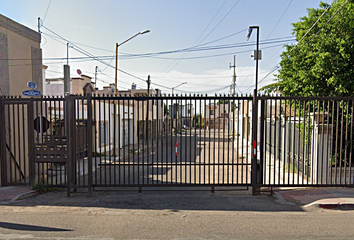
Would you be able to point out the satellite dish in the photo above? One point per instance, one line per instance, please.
(78, 71)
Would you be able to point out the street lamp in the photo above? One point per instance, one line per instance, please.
(178, 86)
(115, 88)
(120, 44)
(256, 56)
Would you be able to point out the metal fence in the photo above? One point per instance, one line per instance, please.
(126, 141)
(306, 141)
(156, 141)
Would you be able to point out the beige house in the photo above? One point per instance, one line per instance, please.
(20, 57)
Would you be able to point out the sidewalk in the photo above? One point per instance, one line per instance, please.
(10, 194)
(328, 198)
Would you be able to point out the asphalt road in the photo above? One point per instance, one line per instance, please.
(168, 215)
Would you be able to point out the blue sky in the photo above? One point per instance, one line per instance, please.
(96, 26)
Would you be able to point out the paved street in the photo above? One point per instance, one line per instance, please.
(168, 215)
(203, 157)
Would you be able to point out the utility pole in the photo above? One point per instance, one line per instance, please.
(234, 76)
(233, 95)
(39, 24)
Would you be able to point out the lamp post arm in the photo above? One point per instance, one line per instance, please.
(120, 44)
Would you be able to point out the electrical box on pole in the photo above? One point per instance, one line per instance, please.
(255, 55)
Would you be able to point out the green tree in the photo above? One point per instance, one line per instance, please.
(321, 64)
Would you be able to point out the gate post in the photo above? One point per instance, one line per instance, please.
(31, 145)
(89, 142)
(3, 161)
(254, 164)
(70, 134)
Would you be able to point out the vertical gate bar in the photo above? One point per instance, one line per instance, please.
(189, 127)
(271, 144)
(305, 115)
(266, 140)
(30, 116)
(303, 141)
(38, 139)
(290, 138)
(328, 175)
(293, 143)
(89, 141)
(119, 138)
(261, 144)
(94, 136)
(100, 103)
(47, 107)
(78, 141)
(308, 172)
(133, 131)
(122, 120)
(323, 160)
(248, 125)
(14, 139)
(180, 139)
(19, 141)
(139, 136)
(341, 144)
(279, 140)
(168, 140)
(351, 143)
(144, 135)
(240, 119)
(223, 145)
(205, 146)
(275, 139)
(201, 125)
(3, 144)
(157, 136)
(172, 138)
(67, 115)
(57, 121)
(10, 112)
(188, 122)
(153, 139)
(228, 140)
(335, 158)
(332, 140)
(284, 139)
(214, 150)
(185, 122)
(24, 144)
(298, 143)
(128, 153)
(104, 126)
(195, 138)
(313, 144)
(109, 126)
(254, 140)
(346, 143)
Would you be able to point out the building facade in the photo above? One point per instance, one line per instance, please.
(20, 57)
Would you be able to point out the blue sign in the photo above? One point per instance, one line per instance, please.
(32, 93)
(32, 85)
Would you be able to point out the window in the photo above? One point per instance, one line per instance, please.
(212, 112)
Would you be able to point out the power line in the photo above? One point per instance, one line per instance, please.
(280, 19)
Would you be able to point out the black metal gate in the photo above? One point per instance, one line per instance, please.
(164, 141)
(132, 141)
(306, 141)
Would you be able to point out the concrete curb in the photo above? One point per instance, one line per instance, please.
(19, 197)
